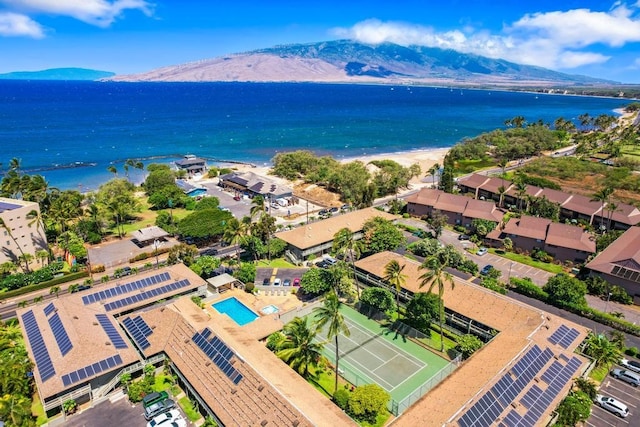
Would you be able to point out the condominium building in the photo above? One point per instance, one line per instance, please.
(20, 229)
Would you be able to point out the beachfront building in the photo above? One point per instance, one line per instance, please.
(316, 239)
(252, 185)
(563, 242)
(459, 210)
(192, 165)
(574, 207)
(21, 230)
(619, 263)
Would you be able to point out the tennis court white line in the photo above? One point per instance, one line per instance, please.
(371, 375)
(394, 348)
(411, 376)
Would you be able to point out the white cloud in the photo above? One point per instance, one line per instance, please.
(556, 39)
(16, 25)
(101, 13)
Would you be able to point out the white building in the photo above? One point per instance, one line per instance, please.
(20, 229)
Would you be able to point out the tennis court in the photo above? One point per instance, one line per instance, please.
(374, 354)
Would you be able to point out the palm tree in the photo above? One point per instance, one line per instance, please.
(602, 196)
(113, 170)
(257, 207)
(433, 170)
(330, 315)
(521, 191)
(394, 276)
(300, 348)
(54, 290)
(611, 208)
(436, 276)
(344, 243)
(604, 352)
(234, 233)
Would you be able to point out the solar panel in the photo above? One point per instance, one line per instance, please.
(137, 329)
(111, 331)
(40, 353)
(60, 334)
(91, 370)
(125, 288)
(218, 358)
(49, 309)
(569, 338)
(146, 295)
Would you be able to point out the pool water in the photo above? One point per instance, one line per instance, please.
(236, 310)
(270, 309)
(197, 192)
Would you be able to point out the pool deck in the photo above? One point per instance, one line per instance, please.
(266, 324)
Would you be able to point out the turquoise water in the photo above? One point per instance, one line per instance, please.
(70, 132)
(197, 192)
(236, 310)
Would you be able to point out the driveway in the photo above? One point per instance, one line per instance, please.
(117, 413)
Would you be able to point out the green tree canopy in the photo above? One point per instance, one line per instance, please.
(379, 298)
(467, 345)
(367, 401)
(204, 224)
(381, 235)
(205, 265)
(246, 273)
(422, 310)
(566, 290)
(208, 203)
(313, 282)
(157, 179)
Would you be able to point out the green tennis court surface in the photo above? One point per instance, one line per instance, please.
(374, 354)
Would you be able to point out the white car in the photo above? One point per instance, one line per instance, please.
(482, 251)
(632, 365)
(165, 420)
(612, 405)
(277, 281)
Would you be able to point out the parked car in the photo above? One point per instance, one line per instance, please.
(165, 420)
(154, 397)
(296, 281)
(323, 264)
(626, 376)
(323, 212)
(158, 408)
(482, 251)
(287, 282)
(345, 207)
(463, 237)
(612, 405)
(277, 281)
(265, 281)
(486, 269)
(631, 365)
(331, 261)
(236, 198)
(333, 210)
(80, 288)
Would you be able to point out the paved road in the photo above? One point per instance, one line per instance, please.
(623, 392)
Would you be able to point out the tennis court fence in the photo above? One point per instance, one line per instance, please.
(288, 316)
(394, 406)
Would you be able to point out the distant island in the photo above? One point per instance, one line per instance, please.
(58, 74)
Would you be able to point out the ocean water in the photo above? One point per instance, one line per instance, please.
(52, 125)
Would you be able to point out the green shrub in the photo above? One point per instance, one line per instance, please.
(467, 345)
(98, 268)
(631, 351)
(526, 287)
(274, 340)
(341, 398)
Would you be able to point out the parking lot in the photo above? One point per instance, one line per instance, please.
(284, 274)
(117, 413)
(623, 392)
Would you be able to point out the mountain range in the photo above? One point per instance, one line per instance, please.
(352, 62)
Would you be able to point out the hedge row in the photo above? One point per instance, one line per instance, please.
(53, 282)
(528, 288)
(146, 255)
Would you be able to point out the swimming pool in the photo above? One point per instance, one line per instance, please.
(270, 309)
(232, 307)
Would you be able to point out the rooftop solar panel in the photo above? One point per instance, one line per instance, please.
(91, 370)
(40, 353)
(50, 308)
(127, 287)
(111, 331)
(220, 360)
(60, 334)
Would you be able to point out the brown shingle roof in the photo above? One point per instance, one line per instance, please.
(317, 233)
(426, 196)
(570, 236)
(493, 184)
(451, 203)
(483, 210)
(530, 190)
(555, 196)
(528, 226)
(475, 180)
(624, 214)
(582, 204)
(625, 247)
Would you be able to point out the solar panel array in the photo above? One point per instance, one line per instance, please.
(219, 353)
(40, 353)
(537, 400)
(49, 309)
(5, 206)
(147, 295)
(564, 336)
(91, 370)
(60, 334)
(139, 331)
(486, 411)
(111, 331)
(127, 287)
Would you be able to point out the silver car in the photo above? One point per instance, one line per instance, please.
(632, 365)
(626, 376)
(612, 405)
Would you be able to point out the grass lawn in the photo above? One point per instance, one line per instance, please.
(275, 263)
(162, 382)
(38, 411)
(527, 260)
(598, 374)
(467, 166)
(188, 409)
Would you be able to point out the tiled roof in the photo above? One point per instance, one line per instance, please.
(475, 180)
(493, 184)
(554, 196)
(317, 233)
(624, 214)
(582, 204)
(570, 236)
(451, 203)
(483, 210)
(528, 226)
(426, 196)
(626, 247)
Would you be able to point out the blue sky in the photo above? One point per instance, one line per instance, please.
(595, 38)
